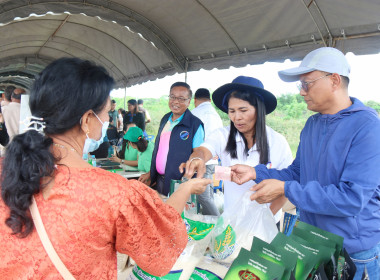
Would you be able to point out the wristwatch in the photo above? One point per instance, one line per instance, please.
(122, 161)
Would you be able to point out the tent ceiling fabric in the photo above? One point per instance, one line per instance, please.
(139, 40)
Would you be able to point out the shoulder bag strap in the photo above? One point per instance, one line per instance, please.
(59, 265)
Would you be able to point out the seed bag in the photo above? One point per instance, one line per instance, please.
(322, 253)
(198, 230)
(248, 265)
(276, 255)
(305, 258)
(321, 236)
(209, 268)
(237, 228)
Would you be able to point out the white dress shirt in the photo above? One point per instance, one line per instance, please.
(11, 115)
(280, 156)
(211, 120)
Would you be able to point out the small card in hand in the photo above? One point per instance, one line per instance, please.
(222, 173)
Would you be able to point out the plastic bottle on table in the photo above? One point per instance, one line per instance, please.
(110, 151)
(93, 160)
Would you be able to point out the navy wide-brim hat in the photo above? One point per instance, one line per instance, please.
(252, 85)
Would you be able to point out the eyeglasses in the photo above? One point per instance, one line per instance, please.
(305, 85)
(180, 99)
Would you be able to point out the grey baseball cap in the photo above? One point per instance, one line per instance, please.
(325, 59)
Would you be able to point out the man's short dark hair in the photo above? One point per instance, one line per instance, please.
(16, 96)
(345, 81)
(8, 92)
(183, 84)
(140, 101)
(113, 101)
(202, 93)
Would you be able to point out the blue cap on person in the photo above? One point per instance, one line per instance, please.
(324, 59)
(249, 84)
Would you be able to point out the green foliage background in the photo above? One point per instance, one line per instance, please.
(288, 119)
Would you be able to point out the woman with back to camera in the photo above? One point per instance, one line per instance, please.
(88, 213)
(247, 140)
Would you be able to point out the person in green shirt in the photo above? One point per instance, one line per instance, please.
(136, 139)
(128, 155)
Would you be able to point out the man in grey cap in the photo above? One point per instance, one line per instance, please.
(334, 180)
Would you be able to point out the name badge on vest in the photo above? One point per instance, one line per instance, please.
(184, 135)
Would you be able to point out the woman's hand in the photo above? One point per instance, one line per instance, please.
(115, 159)
(191, 166)
(196, 185)
(241, 173)
(145, 178)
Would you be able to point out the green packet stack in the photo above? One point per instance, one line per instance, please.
(322, 254)
(316, 235)
(276, 255)
(337, 265)
(305, 258)
(248, 265)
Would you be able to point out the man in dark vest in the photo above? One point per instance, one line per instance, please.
(179, 133)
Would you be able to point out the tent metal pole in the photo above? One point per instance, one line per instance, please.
(125, 96)
(186, 66)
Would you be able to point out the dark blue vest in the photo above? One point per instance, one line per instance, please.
(180, 147)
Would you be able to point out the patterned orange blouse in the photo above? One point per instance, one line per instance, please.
(89, 215)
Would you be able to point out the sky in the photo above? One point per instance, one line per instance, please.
(364, 79)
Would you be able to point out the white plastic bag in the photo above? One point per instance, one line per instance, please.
(219, 201)
(237, 228)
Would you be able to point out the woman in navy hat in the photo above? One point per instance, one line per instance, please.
(247, 140)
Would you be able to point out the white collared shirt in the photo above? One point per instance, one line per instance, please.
(210, 118)
(280, 157)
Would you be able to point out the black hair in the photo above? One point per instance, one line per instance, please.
(142, 144)
(113, 101)
(140, 101)
(16, 96)
(133, 102)
(345, 81)
(183, 84)
(202, 93)
(260, 136)
(65, 90)
(8, 92)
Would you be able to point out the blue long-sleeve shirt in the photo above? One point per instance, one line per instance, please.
(335, 178)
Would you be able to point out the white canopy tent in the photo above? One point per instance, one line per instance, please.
(141, 40)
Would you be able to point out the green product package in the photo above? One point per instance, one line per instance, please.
(251, 266)
(140, 274)
(197, 230)
(224, 244)
(203, 274)
(276, 255)
(305, 258)
(209, 269)
(322, 253)
(322, 236)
